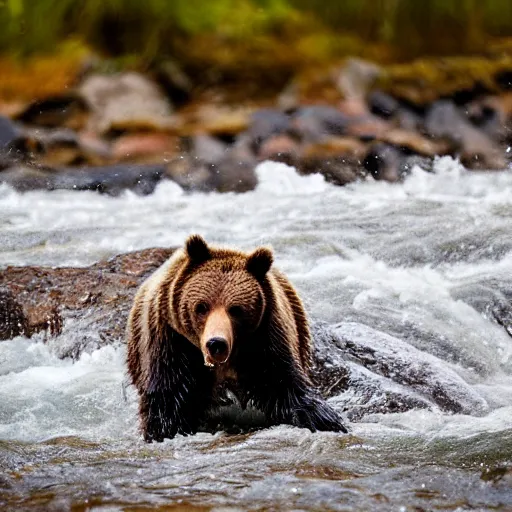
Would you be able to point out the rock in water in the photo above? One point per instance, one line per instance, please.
(81, 309)
(402, 377)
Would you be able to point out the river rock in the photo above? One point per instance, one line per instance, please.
(338, 159)
(87, 307)
(126, 102)
(313, 123)
(403, 376)
(190, 173)
(25, 178)
(280, 148)
(488, 115)
(207, 149)
(235, 172)
(212, 165)
(383, 162)
(9, 133)
(382, 104)
(111, 180)
(15, 143)
(477, 150)
(145, 147)
(217, 120)
(412, 142)
(265, 124)
(66, 110)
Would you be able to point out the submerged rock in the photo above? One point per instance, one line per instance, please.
(360, 369)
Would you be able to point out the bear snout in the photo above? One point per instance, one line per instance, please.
(218, 348)
(217, 338)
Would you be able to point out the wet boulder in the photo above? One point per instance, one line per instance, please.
(111, 180)
(25, 178)
(79, 309)
(477, 150)
(338, 159)
(402, 377)
(383, 104)
(211, 165)
(9, 133)
(280, 148)
(15, 143)
(145, 147)
(386, 162)
(235, 172)
(383, 162)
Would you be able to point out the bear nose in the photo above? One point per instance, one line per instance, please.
(218, 348)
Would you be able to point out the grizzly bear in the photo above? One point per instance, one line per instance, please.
(211, 318)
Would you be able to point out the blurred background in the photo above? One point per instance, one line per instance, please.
(191, 67)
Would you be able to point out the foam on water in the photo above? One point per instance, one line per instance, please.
(44, 397)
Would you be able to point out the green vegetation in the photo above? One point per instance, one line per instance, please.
(252, 42)
(152, 27)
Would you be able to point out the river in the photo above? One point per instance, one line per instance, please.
(418, 261)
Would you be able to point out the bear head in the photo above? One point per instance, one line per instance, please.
(218, 297)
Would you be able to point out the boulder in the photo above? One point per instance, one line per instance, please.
(79, 309)
(477, 150)
(126, 102)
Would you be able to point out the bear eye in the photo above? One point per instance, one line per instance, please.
(201, 308)
(236, 311)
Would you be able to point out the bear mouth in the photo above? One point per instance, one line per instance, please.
(211, 362)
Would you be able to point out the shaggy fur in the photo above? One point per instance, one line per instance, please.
(270, 356)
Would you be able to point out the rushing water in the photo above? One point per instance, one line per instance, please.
(418, 261)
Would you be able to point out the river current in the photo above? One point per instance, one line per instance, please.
(419, 261)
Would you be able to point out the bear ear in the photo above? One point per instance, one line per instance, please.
(197, 249)
(259, 262)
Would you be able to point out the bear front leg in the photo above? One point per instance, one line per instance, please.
(177, 394)
(299, 406)
(280, 389)
(166, 414)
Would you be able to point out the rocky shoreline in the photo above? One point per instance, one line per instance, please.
(127, 131)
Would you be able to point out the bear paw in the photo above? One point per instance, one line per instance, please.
(315, 415)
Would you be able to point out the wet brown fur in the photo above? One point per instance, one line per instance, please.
(271, 355)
